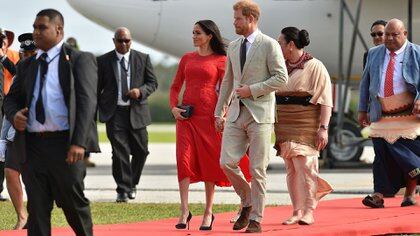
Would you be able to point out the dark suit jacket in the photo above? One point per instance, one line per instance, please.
(78, 80)
(142, 77)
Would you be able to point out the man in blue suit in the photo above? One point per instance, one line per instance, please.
(390, 104)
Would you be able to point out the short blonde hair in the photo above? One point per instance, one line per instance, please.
(248, 8)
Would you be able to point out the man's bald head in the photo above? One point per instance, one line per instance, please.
(122, 40)
(395, 34)
(121, 30)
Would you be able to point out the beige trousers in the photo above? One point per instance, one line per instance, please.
(305, 187)
(238, 136)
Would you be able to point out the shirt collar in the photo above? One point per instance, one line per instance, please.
(251, 37)
(399, 50)
(126, 56)
(54, 51)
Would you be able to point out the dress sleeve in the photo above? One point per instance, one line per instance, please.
(177, 83)
(322, 91)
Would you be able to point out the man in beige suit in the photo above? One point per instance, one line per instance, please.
(255, 68)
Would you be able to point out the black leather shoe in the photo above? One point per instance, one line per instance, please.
(132, 195)
(254, 227)
(408, 202)
(243, 219)
(208, 227)
(373, 202)
(186, 224)
(122, 197)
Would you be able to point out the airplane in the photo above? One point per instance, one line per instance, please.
(166, 25)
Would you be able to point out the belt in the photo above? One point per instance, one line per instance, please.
(123, 107)
(295, 100)
(47, 134)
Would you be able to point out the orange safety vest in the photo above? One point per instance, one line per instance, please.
(8, 78)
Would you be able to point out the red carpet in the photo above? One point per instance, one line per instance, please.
(334, 217)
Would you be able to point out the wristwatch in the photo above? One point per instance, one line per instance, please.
(325, 127)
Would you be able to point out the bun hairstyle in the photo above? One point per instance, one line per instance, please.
(299, 37)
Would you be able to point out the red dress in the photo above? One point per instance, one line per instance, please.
(197, 142)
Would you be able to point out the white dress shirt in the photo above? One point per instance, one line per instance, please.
(56, 111)
(399, 83)
(126, 57)
(251, 39)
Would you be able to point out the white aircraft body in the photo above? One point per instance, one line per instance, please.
(166, 25)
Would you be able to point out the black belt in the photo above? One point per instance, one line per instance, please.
(123, 107)
(48, 134)
(293, 100)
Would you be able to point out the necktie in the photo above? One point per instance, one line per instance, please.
(389, 76)
(39, 108)
(243, 53)
(124, 83)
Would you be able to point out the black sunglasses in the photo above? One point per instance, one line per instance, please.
(123, 40)
(379, 34)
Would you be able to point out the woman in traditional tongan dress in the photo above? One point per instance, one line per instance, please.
(303, 114)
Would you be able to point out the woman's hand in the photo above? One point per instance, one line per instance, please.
(321, 139)
(176, 112)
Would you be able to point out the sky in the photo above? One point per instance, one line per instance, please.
(19, 15)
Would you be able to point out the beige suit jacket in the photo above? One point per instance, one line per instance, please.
(264, 72)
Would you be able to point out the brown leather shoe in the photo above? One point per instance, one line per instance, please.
(243, 219)
(253, 227)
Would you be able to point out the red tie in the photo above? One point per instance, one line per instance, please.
(389, 77)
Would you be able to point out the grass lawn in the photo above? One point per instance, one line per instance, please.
(160, 137)
(113, 213)
(154, 137)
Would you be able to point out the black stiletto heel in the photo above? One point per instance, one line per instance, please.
(208, 227)
(186, 224)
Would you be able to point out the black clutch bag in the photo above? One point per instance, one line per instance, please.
(188, 110)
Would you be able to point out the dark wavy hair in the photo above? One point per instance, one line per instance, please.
(216, 42)
(299, 37)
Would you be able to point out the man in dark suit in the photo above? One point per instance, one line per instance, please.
(126, 80)
(52, 98)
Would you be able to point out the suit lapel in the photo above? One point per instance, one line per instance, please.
(251, 53)
(64, 72)
(30, 79)
(114, 61)
(236, 50)
(135, 65)
(380, 65)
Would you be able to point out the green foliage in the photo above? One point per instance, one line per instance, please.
(159, 100)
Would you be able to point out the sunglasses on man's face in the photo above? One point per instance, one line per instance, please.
(123, 40)
(379, 34)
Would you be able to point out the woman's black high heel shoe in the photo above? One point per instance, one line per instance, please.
(208, 227)
(186, 224)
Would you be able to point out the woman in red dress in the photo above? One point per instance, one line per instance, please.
(197, 142)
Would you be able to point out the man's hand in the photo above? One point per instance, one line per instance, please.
(243, 92)
(321, 139)
(134, 93)
(363, 119)
(219, 124)
(20, 120)
(75, 154)
(416, 108)
(176, 112)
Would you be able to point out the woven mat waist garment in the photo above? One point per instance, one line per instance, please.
(297, 123)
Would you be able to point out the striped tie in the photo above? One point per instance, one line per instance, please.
(389, 76)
